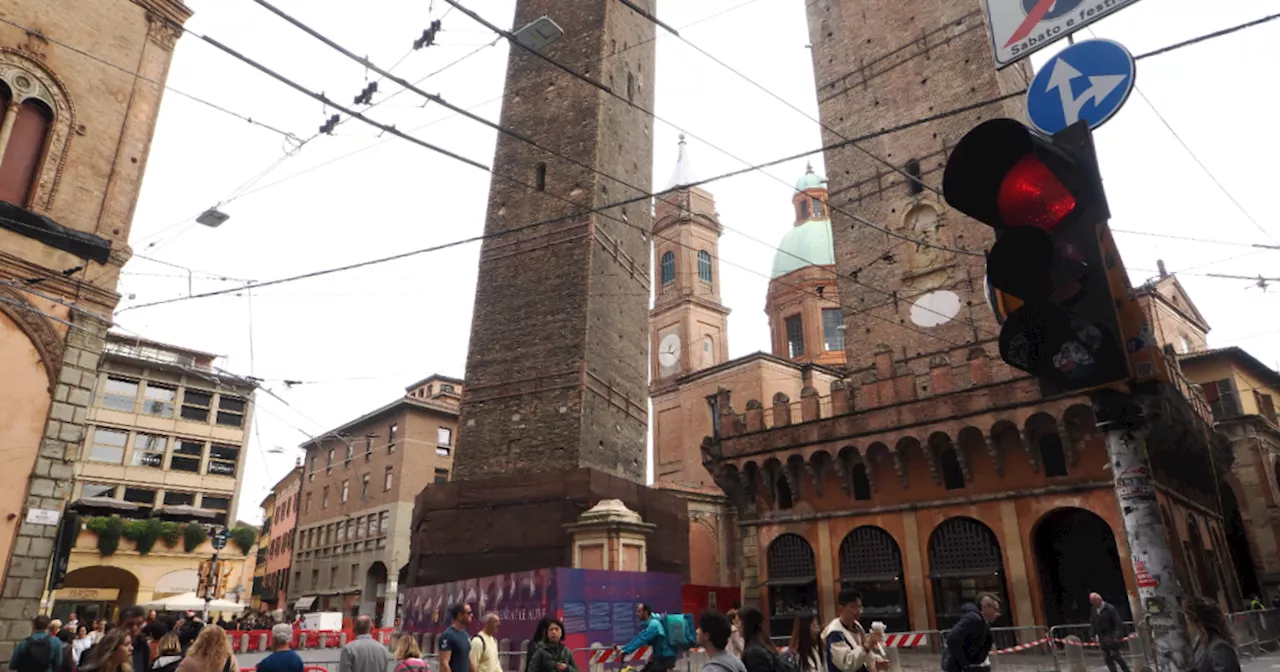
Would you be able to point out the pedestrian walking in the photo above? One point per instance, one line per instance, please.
(1108, 631)
(848, 647)
(539, 636)
(806, 633)
(484, 646)
(410, 655)
(652, 634)
(41, 652)
(1214, 645)
(714, 634)
(67, 637)
(552, 655)
(735, 636)
(283, 658)
(168, 654)
(969, 640)
(455, 643)
(130, 623)
(83, 642)
(758, 652)
(211, 652)
(364, 653)
(112, 653)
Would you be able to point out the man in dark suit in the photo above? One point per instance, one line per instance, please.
(1108, 631)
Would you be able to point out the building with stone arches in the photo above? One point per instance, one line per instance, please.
(74, 139)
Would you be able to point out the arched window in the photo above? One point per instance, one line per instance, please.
(24, 150)
(785, 499)
(804, 209)
(817, 208)
(668, 268)
(952, 474)
(1052, 455)
(704, 266)
(540, 177)
(861, 484)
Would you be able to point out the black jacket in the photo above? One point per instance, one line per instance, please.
(968, 642)
(1105, 624)
(548, 654)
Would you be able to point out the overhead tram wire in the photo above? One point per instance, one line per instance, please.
(579, 76)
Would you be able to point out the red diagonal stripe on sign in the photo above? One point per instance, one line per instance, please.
(1029, 23)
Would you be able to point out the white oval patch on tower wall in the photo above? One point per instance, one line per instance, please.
(935, 308)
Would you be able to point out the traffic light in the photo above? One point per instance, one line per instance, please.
(1047, 272)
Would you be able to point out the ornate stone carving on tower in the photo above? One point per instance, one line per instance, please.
(872, 73)
(554, 413)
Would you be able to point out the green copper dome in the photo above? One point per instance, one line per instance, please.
(809, 244)
(810, 180)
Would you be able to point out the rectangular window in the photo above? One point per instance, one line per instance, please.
(342, 532)
(384, 521)
(196, 404)
(311, 476)
(368, 448)
(186, 456)
(215, 503)
(315, 578)
(222, 460)
(324, 498)
(159, 400)
(121, 394)
(306, 503)
(355, 574)
(832, 330)
(442, 475)
(795, 336)
(144, 497)
(345, 487)
(444, 438)
(1266, 405)
(353, 528)
(446, 387)
(148, 450)
(387, 479)
(333, 577)
(364, 487)
(108, 446)
(99, 490)
(328, 467)
(179, 499)
(391, 437)
(230, 411)
(368, 525)
(351, 451)
(1223, 399)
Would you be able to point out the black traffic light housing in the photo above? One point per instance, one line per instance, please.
(1047, 269)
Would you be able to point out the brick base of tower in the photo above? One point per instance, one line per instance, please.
(512, 523)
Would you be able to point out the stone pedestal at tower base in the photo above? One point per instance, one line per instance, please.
(610, 536)
(483, 527)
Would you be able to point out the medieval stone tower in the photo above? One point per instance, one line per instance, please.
(557, 373)
(555, 410)
(878, 65)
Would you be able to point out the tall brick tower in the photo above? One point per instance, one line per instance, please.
(878, 64)
(555, 409)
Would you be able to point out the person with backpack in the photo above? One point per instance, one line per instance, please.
(714, 632)
(484, 646)
(40, 652)
(655, 635)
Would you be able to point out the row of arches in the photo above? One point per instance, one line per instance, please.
(1075, 552)
(1050, 447)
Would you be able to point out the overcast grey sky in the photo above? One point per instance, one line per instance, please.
(357, 338)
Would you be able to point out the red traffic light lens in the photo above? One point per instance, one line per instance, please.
(1031, 195)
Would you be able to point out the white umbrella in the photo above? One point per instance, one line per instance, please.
(190, 601)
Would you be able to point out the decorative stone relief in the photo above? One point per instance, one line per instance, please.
(37, 328)
(46, 87)
(162, 30)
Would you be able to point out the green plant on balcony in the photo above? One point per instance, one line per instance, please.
(244, 538)
(192, 536)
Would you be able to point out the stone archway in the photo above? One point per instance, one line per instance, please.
(97, 591)
(792, 583)
(1237, 538)
(965, 560)
(374, 591)
(1076, 554)
(871, 563)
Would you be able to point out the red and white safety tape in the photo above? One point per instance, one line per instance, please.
(617, 656)
(905, 640)
(1055, 640)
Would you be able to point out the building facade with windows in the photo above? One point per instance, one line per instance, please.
(358, 484)
(280, 519)
(75, 137)
(165, 428)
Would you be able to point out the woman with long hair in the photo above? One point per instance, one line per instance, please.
(409, 655)
(552, 655)
(1215, 647)
(211, 652)
(539, 636)
(735, 634)
(168, 654)
(758, 653)
(112, 654)
(805, 635)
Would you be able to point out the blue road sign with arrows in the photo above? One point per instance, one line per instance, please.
(1087, 81)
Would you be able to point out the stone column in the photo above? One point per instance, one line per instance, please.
(610, 536)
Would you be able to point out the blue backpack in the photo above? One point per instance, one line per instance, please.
(680, 631)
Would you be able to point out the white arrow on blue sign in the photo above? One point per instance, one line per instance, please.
(1087, 81)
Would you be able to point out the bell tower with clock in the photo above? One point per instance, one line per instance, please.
(688, 322)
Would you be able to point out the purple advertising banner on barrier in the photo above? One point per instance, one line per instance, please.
(596, 606)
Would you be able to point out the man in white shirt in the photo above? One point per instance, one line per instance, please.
(484, 646)
(847, 647)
